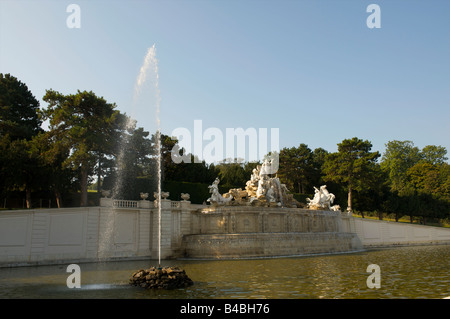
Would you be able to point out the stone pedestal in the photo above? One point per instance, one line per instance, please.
(144, 204)
(106, 202)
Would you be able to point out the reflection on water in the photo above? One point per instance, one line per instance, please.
(406, 272)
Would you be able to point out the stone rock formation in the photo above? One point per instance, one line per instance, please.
(161, 278)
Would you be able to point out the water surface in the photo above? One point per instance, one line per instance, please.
(406, 272)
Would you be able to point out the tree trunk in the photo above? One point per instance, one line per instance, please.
(28, 197)
(99, 173)
(349, 202)
(83, 182)
(58, 199)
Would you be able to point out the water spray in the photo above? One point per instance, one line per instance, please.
(151, 61)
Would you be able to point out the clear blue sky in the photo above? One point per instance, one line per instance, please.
(313, 69)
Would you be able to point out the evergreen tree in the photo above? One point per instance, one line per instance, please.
(19, 117)
(297, 167)
(19, 124)
(86, 126)
(353, 166)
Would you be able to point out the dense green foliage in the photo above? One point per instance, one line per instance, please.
(353, 166)
(89, 144)
(19, 126)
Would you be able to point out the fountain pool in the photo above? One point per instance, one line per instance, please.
(406, 272)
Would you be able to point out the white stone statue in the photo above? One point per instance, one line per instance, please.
(270, 195)
(185, 196)
(322, 198)
(336, 208)
(261, 191)
(252, 184)
(269, 167)
(216, 198)
(265, 168)
(255, 176)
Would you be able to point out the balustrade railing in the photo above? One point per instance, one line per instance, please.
(175, 204)
(121, 203)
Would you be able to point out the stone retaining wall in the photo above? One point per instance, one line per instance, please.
(127, 229)
(249, 219)
(378, 233)
(248, 245)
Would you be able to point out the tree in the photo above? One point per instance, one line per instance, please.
(20, 167)
(417, 179)
(353, 165)
(444, 181)
(19, 124)
(86, 126)
(167, 144)
(18, 109)
(429, 182)
(131, 161)
(319, 156)
(397, 158)
(434, 154)
(424, 177)
(51, 157)
(297, 167)
(193, 171)
(374, 193)
(232, 174)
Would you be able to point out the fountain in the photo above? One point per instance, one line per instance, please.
(260, 190)
(264, 220)
(261, 220)
(167, 277)
(106, 239)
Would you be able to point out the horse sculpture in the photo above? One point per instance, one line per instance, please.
(322, 199)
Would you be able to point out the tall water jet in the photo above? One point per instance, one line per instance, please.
(150, 61)
(167, 277)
